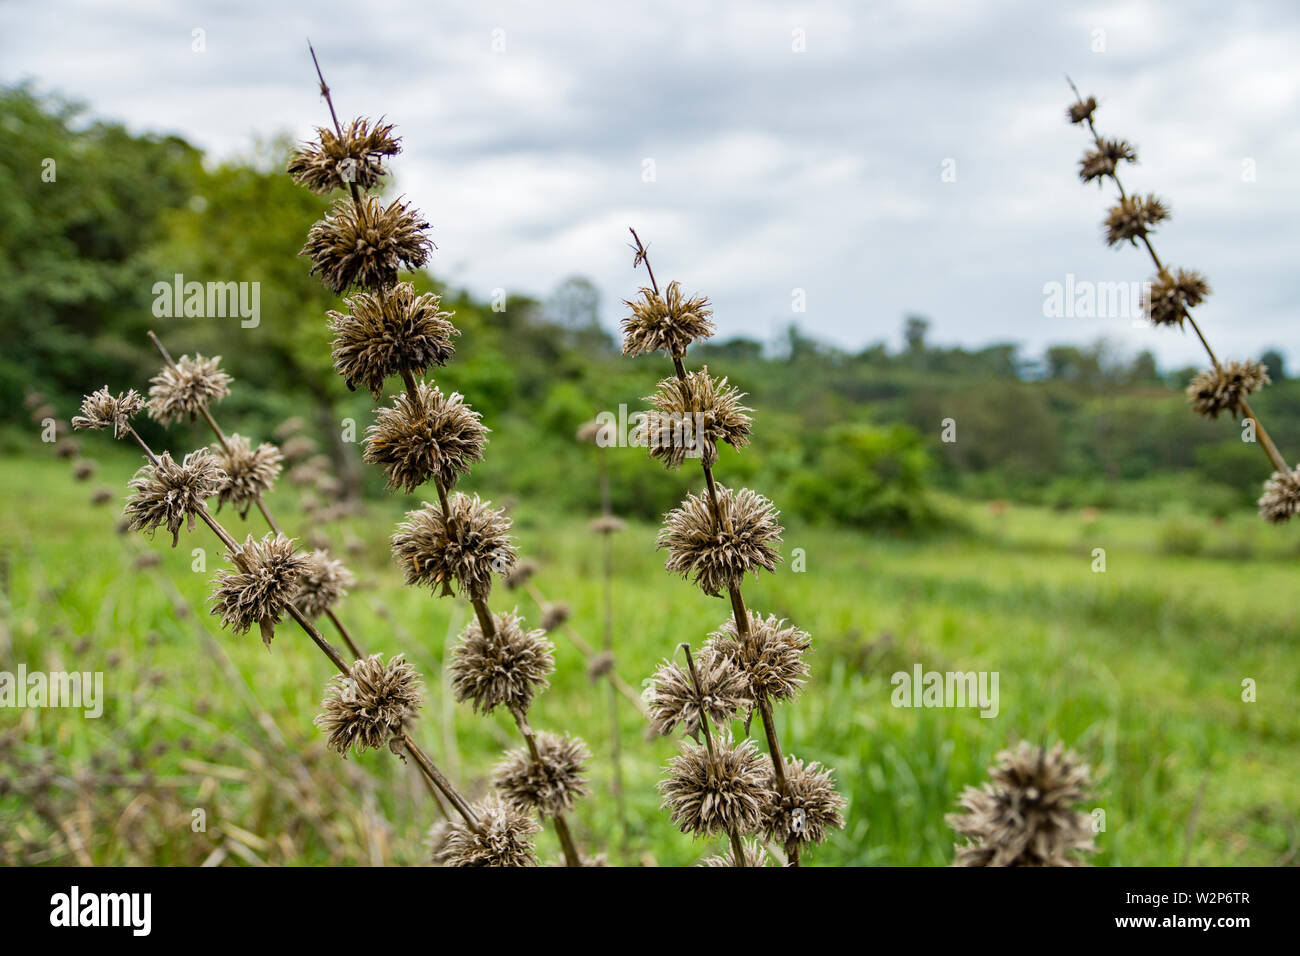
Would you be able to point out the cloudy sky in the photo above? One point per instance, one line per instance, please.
(762, 148)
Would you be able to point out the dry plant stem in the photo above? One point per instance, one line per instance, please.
(353, 648)
(738, 610)
(1270, 449)
(422, 761)
(737, 848)
(615, 746)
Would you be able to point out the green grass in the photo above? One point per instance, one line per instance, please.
(1139, 668)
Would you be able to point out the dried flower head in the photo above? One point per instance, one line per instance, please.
(99, 409)
(770, 657)
(1082, 110)
(717, 795)
(669, 322)
(556, 613)
(1026, 815)
(386, 333)
(263, 584)
(101, 496)
(552, 783)
(1132, 217)
(332, 162)
(717, 554)
(1221, 389)
(67, 448)
(506, 667)
(672, 699)
(1171, 295)
(689, 418)
(299, 448)
(322, 583)
(755, 854)
(83, 470)
(250, 472)
(182, 390)
(466, 547)
(368, 708)
(1281, 499)
(169, 494)
(518, 576)
(808, 808)
(505, 837)
(431, 437)
(1103, 160)
(606, 524)
(364, 246)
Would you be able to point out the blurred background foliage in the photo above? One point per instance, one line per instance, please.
(852, 438)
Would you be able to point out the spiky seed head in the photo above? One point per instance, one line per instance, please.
(600, 665)
(506, 837)
(183, 390)
(1172, 294)
(322, 583)
(367, 709)
(428, 437)
(1281, 499)
(671, 697)
(100, 409)
(809, 806)
(606, 524)
(1221, 389)
(466, 547)
(1104, 159)
(263, 583)
(669, 322)
(518, 576)
(755, 854)
(556, 613)
(293, 425)
(770, 657)
(332, 162)
(553, 783)
(436, 838)
(506, 667)
(250, 472)
(715, 796)
(715, 554)
(1027, 813)
(1132, 217)
(83, 470)
(365, 246)
(101, 496)
(386, 333)
(169, 494)
(1082, 110)
(67, 448)
(299, 448)
(691, 416)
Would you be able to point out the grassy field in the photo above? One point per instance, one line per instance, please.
(1140, 668)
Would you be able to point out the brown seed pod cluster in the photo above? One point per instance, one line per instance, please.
(717, 552)
(504, 668)
(1028, 813)
(182, 390)
(553, 782)
(389, 332)
(101, 409)
(691, 416)
(365, 245)
(505, 837)
(718, 793)
(322, 584)
(1221, 389)
(263, 584)
(1281, 499)
(250, 472)
(770, 658)
(334, 162)
(672, 698)
(1132, 217)
(465, 547)
(809, 806)
(366, 709)
(1172, 294)
(425, 436)
(169, 494)
(668, 323)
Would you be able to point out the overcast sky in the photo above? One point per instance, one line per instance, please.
(774, 169)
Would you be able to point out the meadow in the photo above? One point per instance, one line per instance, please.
(1139, 667)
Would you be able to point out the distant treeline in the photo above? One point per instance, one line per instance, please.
(96, 216)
